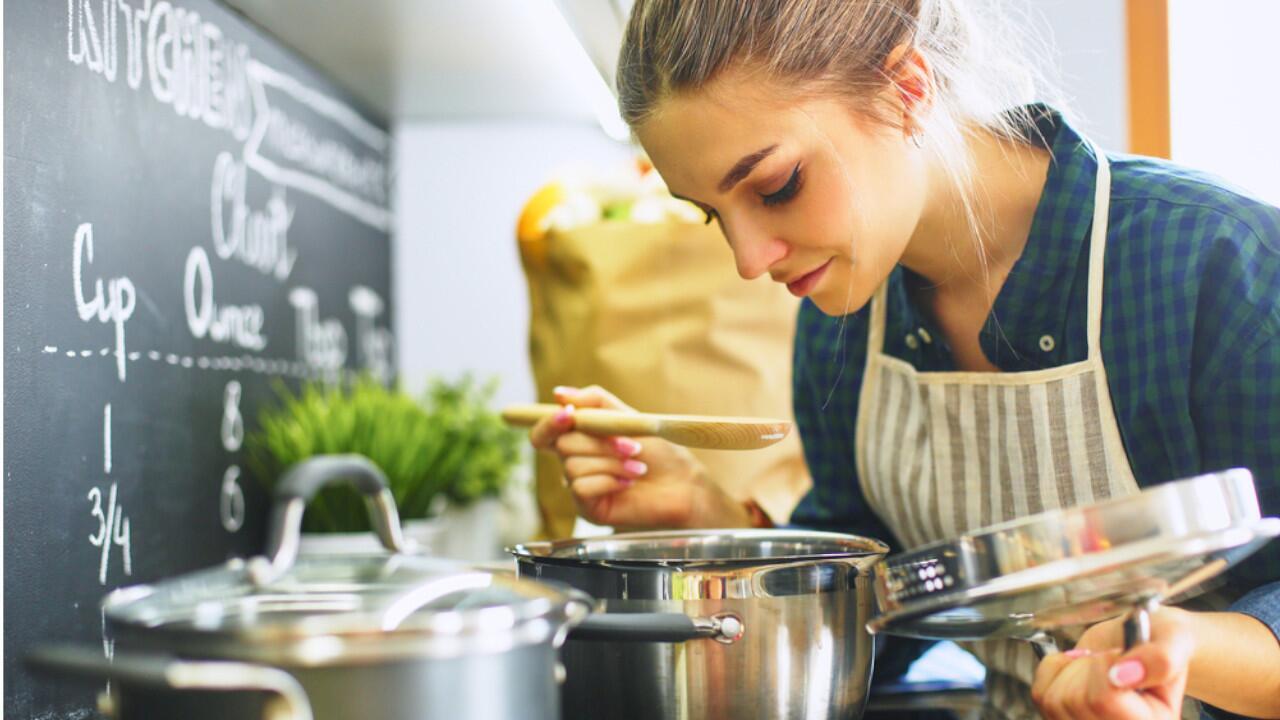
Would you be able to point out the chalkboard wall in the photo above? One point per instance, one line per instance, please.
(190, 213)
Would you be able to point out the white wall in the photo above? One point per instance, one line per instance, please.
(461, 299)
(1088, 40)
(1222, 60)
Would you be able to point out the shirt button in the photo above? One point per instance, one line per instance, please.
(912, 342)
(925, 336)
(1047, 343)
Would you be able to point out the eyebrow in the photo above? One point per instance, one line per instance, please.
(744, 168)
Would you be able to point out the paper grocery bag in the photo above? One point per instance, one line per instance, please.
(657, 314)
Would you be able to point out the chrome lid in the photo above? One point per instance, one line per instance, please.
(1074, 566)
(312, 610)
(703, 548)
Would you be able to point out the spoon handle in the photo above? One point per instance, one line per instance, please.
(595, 421)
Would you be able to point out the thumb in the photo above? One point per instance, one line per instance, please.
(593, 396)
(1152, 664)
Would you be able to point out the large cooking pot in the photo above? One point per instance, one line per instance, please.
(351, 637)
(715, 624)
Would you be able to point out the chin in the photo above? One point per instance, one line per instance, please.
(840, 302)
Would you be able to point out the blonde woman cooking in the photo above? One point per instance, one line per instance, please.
(999, 318)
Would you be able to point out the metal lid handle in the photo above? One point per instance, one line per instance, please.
(299, 485)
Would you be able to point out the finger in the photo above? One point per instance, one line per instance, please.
(1104, 700)
(580, 466)
(587, 488)
(1064, 695)
(1061, 689)
(592, 396)
(1154, 663)
(1048, 670)
(577, 443)
(545, 432)
(1105, 635)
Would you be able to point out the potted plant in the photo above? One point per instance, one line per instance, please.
(443, 454)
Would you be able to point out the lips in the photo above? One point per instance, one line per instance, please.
(805, 284)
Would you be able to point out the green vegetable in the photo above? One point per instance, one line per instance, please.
(447, 444)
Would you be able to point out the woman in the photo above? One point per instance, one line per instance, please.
(998, 318)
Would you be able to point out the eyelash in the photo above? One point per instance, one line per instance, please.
(787, 192)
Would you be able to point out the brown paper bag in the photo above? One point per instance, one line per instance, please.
(657, 314)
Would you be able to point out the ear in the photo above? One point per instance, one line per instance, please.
(911, 85)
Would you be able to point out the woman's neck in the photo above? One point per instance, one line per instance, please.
(966, 250)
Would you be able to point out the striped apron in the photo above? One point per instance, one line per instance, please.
(944, 453)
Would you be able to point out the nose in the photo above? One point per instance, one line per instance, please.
(755, 251)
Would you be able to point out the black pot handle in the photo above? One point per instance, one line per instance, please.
(288, 699)
(726, 628)
(299, 485)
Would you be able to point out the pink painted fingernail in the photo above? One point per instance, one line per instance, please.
(564, 416)
(626, 447)
(626, 482)
(563, 390)
(635, 467)
(1077, 653)
(1127, 674)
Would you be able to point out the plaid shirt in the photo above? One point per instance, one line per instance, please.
(1190, 337)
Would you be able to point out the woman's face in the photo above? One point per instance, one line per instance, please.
(822, 199)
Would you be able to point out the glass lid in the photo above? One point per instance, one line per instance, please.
(345, 593)
(282, 607)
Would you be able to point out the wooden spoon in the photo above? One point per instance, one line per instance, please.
(700, 431)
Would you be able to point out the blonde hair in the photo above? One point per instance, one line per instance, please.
(979, 56)
(982, 60)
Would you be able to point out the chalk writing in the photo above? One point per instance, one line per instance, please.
(257, 238)
(236, 324)
(114, 306)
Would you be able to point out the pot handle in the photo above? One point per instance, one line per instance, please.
(299, 485)
(288, 699)
(726, 628)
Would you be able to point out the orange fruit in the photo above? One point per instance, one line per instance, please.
(535, 217)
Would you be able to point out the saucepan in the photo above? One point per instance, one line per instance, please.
(384, 636)
(715, 623)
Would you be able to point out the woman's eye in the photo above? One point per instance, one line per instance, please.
(787, 191)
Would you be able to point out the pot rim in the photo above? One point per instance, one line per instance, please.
(556, 552)
(577, 552)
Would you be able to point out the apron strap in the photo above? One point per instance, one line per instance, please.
(875, 330)
(1097, 251)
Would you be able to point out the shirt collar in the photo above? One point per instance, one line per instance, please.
(1033, 304)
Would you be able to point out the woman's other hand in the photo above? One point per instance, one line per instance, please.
(1099, 680)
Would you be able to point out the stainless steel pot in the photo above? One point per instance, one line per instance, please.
(715, 624)
(351, 637)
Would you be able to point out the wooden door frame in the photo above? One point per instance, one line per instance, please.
(1148, 57)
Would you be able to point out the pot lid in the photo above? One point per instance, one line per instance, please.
(686, 548)
(330, 607)
(317, 609)
(1074, 566)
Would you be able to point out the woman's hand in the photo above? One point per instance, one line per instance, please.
(630, 482)
(1099, 680)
